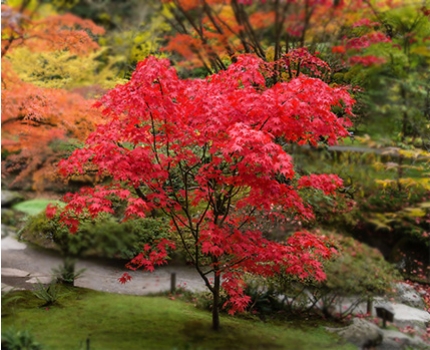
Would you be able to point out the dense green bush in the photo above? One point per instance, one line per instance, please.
(104, 236)
(359, 269)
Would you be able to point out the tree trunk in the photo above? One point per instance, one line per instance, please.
(369, 305)
(215, 306)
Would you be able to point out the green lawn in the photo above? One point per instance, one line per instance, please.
(113, 321)
(34, 206)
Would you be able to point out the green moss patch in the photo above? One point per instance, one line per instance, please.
(113, 321)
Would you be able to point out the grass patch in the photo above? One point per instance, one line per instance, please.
(34, 206)
(113, 321)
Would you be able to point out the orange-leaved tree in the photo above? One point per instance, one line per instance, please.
(211, 32)
(33, 116)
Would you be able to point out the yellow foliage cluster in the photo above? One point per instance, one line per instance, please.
(63, 70)
(134, 44)
(406, 182)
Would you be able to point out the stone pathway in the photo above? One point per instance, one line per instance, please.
(23, 265)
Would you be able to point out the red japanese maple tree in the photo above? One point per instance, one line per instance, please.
(207, 154)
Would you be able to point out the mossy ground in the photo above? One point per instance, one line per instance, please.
(113, 321)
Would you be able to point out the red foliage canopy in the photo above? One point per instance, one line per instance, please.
(206, 154)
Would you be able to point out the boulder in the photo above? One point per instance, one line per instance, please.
(390, 344)
(406, 294)
(9, 198)
(408, 316)
(360, 333)
(397, 340)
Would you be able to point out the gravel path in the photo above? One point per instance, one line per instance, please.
(22, 265)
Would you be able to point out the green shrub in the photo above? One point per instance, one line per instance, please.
(104, 236)
(359, 269)
(12, 339)
(65, 146)
(124, 239)
(49, 294)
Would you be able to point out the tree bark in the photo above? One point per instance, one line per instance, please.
(215, 306)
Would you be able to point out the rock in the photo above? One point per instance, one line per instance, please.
(405, 315)
(408, 316)
(7, 271)
(361, 333)
(407, 295)
(43, 280)
(9, 243)
(9, 198)
(397, 340)
(390, 344)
